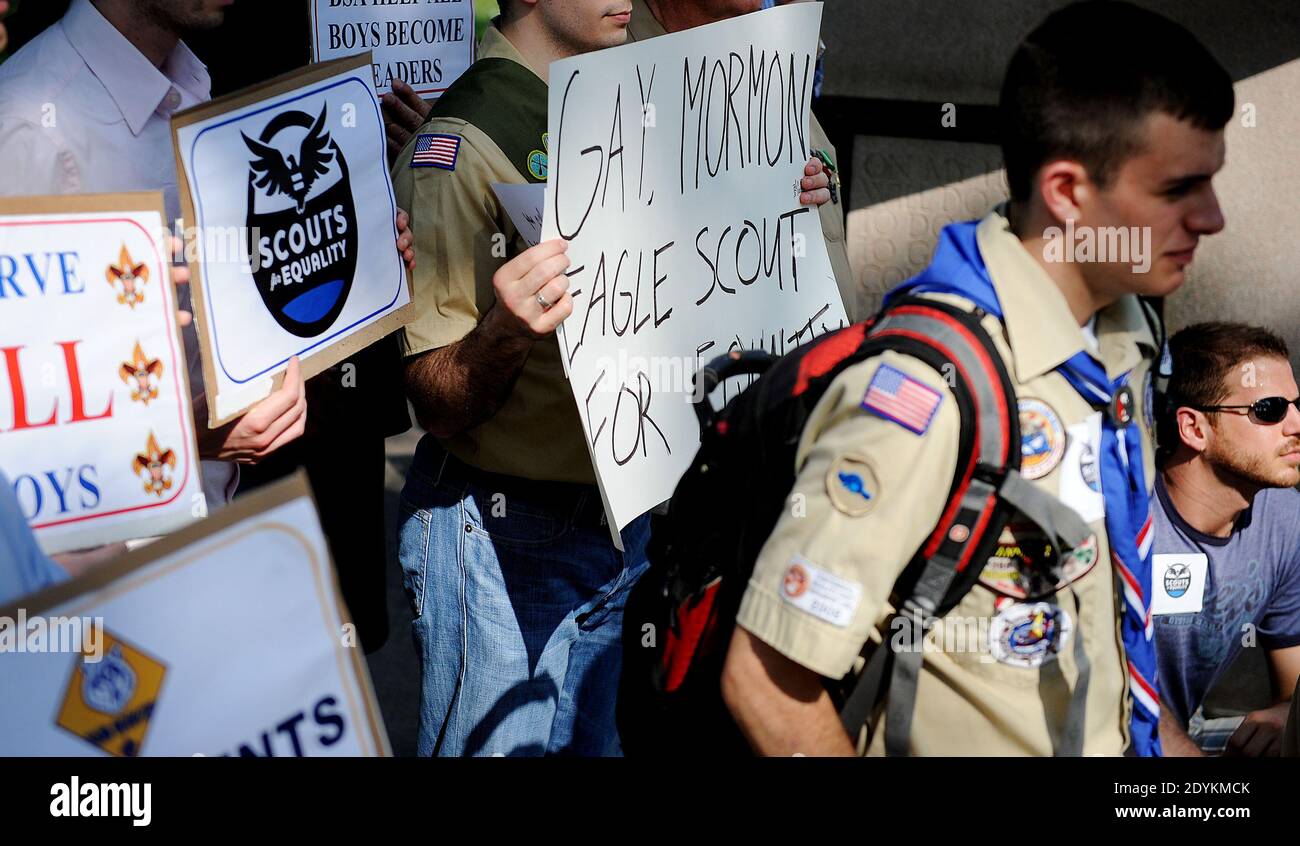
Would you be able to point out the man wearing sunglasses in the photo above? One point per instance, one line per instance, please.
(1226, 563)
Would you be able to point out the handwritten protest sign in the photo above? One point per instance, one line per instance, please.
(226, 638)
(96, 431)
(287, 188)
(675, 175)
(425, 43)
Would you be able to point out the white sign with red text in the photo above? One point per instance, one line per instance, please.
(96, 429)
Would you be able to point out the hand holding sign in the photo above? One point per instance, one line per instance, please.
(272, 423)
(533, 291)
(404, 113)
(815, 184)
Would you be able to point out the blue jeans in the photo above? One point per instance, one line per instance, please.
(518, 595)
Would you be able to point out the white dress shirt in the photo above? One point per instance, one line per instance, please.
(83, 111)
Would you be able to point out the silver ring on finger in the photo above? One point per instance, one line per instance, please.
(543, 302)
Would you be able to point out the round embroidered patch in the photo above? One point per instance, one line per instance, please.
(1042, 438)
(852, 486)
(1029, 634)
(537, 164)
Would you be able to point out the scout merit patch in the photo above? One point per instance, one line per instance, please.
(539, 160)
(852, 486)
(109, 702)
(1042, 438)
(896, 396)
(1028, 635)
(824, 595)
(436, 149)
(1021, 564)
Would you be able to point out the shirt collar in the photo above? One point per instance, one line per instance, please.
(644, 25)
(495, 45)
(137, 87)
(1041, 328)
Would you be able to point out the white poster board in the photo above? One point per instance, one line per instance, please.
(675, 172)
(427, 45)
(287, 186)
(227, 638)
(96, 429)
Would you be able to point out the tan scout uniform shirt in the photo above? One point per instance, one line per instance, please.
(644, 26)
(459, 225)
(973, 698)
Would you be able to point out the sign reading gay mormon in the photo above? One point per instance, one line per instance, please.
(96, 431)
(293, 233)
(674, 173)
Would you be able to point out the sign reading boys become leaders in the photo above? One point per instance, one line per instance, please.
(287, 188)
(674, 172)
(425, 43)
(226, 638)
(96, 431)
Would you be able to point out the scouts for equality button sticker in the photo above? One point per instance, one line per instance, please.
(1029, 634)
(1042, 438)
(852, 486)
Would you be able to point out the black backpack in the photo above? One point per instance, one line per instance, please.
(680, 617)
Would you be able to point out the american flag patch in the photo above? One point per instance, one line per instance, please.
(896, 396)
(436, 150)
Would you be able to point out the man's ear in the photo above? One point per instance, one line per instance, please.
(1064, 189)
(1193, 429)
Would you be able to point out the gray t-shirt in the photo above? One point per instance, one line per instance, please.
(1252, 590)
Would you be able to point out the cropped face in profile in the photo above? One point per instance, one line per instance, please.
(580, 26)
(1163, 197)
(1238, 443)
(188, 15)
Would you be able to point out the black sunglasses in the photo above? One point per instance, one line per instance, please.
(1266, 410)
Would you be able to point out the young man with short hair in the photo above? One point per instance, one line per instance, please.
(1128, 138)
(1227, 539)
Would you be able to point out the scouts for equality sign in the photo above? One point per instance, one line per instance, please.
(226, 638)
(285, 186)
(96, 431)
(425, 43)
(674, 173)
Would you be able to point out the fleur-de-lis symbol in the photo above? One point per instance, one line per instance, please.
(154, 465)
(128, 279)
(139, 373)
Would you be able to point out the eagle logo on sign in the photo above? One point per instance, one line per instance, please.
(141, 373)
(128, 279)
(155, 466)
(302, 214)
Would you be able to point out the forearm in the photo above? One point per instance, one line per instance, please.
(781, 708)
(459, 386)
(1174, 740)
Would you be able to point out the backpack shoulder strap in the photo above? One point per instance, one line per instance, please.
(986, 490)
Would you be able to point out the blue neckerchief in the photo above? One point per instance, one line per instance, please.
(958, 268)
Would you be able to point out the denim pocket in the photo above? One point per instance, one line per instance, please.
(512, 522)
(413, 551)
